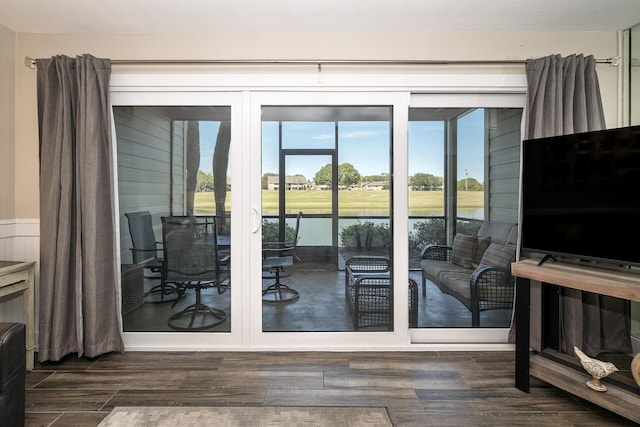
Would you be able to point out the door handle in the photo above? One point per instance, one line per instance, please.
(256, 220)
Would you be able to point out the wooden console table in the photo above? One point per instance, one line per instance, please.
(19, 277)
(548, 365)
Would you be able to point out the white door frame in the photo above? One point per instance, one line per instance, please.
(333, 340)
(462, 337)
(246, 93)
(198, 340)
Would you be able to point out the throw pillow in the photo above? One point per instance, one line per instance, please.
(498, 255)
(462, 250)
(481, 246)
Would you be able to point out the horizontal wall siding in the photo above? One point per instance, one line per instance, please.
(143, 138)
(504, 163)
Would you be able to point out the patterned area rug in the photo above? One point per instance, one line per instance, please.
(246, 416)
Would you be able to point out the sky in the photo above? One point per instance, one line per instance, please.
(208, 136)
(365, 145)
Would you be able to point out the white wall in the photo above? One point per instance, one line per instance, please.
(7, 122)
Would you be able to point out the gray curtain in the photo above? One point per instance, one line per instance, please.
(220, 169)
(563, 97)
(78, 272)
(192, 163)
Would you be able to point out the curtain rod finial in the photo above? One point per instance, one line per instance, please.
(30, 62)
(613, 61)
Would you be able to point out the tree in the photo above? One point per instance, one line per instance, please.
(323, 176)
(470, 184)
(383, 176)
(426, 182)
(205, 181)
(348, 175)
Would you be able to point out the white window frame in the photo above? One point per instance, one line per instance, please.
(246, 93)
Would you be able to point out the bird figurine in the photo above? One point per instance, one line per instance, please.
(596, 368)
(635, 368)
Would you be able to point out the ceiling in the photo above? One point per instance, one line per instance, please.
(386, 16)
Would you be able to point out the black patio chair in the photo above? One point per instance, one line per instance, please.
(192, 262)
(145, 252)
(276, 257)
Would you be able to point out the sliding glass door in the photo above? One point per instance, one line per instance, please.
(342, 186)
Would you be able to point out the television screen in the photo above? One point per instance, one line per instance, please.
(581, 195)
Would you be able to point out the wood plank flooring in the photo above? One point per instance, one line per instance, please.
(417, 388)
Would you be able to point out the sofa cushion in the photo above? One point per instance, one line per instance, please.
(432, 269)
(481, 246)
(498, 255)
(457, 284)
(462, 250)
(500, 232)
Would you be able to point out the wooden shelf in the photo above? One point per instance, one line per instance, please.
(558, 369)
(621, 283)
(615, 399)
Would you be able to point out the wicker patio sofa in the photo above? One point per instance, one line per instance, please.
(476, 270)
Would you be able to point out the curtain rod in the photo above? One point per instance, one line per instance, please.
(31, 63)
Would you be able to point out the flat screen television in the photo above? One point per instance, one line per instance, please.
(581, 196)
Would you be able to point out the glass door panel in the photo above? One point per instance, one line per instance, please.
(426, 184)
(463, 169)
(364, 183)
(331, 163)
(173, 162)
(316, 204)
(470, 149)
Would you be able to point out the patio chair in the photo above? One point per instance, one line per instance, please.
(276, 257)
(192, 262)
(145, 252)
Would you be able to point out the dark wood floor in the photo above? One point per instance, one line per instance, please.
(417, 388)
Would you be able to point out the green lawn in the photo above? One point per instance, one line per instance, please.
(354, 202)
